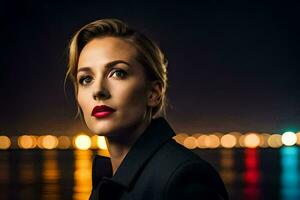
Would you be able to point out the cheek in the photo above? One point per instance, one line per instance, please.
(82, 100)
(133, 96)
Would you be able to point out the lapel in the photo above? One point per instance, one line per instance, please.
(156, 134)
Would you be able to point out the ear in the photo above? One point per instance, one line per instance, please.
(155, 93)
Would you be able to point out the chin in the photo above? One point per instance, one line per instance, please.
(103, 128)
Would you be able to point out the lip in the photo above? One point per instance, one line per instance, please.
(102, 111)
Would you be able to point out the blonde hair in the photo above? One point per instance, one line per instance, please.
(149, 54)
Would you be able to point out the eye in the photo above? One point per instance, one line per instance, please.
(84, 80)
(119, 73)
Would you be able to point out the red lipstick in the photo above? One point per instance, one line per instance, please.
(102, 111)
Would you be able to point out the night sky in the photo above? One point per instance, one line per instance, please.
(232, 67)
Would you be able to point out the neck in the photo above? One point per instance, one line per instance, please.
(119, 146)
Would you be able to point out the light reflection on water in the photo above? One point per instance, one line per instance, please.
(82, 174)
(51, 176)
(66, 174)
(252, 175)
(290, 175)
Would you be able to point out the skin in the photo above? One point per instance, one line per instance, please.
(123, 87)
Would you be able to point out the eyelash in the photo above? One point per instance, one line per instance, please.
(83, 78)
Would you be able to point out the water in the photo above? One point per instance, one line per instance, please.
(66, 174)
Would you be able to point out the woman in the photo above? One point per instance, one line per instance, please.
(120, 81)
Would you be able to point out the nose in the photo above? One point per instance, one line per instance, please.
(101, 92)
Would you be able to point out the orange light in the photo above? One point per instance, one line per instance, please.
(27, 141)
(5, 142)
(298, 138)
(64, 142)
(50, 142)
(264, 140)
(180, 137)
(190, 142)
(251, 140)
(200, 141)
(274, 141)
(228, 141)
(212, 141)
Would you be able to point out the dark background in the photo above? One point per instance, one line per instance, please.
(232, 67)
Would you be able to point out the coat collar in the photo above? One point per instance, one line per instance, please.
(158, 132)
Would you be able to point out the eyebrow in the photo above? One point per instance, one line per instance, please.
(106, 66)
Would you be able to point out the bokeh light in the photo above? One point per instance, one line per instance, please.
(264, 140)
(180, 137)
(228, 141)
(5, 142)
(289, 138)
(212, 141)
(27, 141)
(101, 143)
(274, 141)
(49, 142)
(64, 142)
(190, 142)
(82, 142)
(251, 140)
(298, 138)
(200, 141)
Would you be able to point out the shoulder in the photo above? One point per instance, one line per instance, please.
(188, 174)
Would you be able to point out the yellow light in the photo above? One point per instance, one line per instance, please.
(180, 137)
(212, 141)
(264, 140)
(190, 142)
(49, 142)
(83, 142)
(40, 141)
(274, 141)
(289, 138)
(27, 141)
(102, 143)
(228, 140)
(298, 138)
(251, 140)
(4, 142)
(200, 141)
(64, 142)
(242, 141)
(237, 136)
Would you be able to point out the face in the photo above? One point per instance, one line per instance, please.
(108, 74)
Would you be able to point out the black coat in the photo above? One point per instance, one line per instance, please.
(157, 168)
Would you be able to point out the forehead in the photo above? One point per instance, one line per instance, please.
(100, 51)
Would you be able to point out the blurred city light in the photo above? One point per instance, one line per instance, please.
(289, 138)
(82, 142)
(64, 142)
(228, 141)
(27, 141)
(212, 141)
(180, 137)
(298, 138)
(190, 142)
(251, 140)
(101, 142)
(49, 142)
(274, 141)
(200, 141)
(264, 140)
(5, 142)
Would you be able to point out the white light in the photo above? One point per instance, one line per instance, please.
(83, 142)
(289, 138)
(101, 142)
